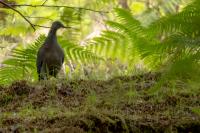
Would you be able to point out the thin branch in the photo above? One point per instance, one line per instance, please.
(67, 27)
(55, 6)
(9, 6)
(44, 2)
(36, 25)
(39, 18)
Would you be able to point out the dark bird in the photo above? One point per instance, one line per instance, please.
(50, 56)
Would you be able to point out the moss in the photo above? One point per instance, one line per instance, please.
(97, 106)
(5, 99)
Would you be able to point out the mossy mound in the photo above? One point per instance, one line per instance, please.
(122, 104)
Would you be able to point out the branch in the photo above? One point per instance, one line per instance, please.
(39, 18)
(67, 27)
(36, 25)
(44, 2)
(55, 6)
(9, 6)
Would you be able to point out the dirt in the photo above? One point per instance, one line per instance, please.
(120, 105)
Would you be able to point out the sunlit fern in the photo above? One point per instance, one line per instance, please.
(171, 39)
(21, 63)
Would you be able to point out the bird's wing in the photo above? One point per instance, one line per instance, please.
(39, 62)
(62, 54)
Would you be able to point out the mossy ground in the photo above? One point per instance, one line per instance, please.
(122, 104)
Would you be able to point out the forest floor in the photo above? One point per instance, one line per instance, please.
(122, 104)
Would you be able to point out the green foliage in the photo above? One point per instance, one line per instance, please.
(168, 43)
(22, 62)
(196, 111)
(118, 41)
(77, 53)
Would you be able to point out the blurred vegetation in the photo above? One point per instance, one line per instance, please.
(109, 38)
(130, 66)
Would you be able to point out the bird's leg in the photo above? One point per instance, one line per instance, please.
(40, 77)
(44, 74)
(47, 73)
(54, 72)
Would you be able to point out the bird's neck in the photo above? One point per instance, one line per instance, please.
(51, 38)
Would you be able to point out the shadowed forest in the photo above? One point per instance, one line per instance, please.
(100, 66)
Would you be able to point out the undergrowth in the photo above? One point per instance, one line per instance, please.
(121, 104)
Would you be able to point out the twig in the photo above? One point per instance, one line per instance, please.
(67, 27)
(39, 17)
(9, 6)
(82, 8)
(35, 25)
(44, 2)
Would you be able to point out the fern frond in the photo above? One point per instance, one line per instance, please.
(77, 53)
(186, 21)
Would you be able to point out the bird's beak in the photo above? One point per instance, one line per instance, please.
(68, 27)
(63, 26)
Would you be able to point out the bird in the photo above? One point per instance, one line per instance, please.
(50, 56)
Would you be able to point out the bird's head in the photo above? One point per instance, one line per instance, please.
(57, 25)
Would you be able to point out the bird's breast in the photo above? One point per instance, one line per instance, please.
(53, 56)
